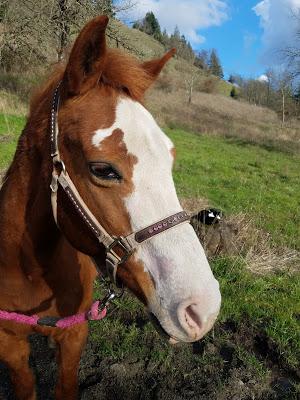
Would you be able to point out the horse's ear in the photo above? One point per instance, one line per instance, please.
(87, 58)
(154, 67)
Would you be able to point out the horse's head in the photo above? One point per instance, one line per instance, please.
(121, 164)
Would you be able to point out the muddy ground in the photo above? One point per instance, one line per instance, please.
(205, 370)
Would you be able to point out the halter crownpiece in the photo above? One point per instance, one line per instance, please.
(118, 249)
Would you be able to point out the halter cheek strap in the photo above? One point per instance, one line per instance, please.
(118, 249)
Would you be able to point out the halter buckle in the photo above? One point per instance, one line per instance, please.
(59, 165)
(125, 246)
(113, 260)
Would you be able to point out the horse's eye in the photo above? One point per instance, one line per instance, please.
(104, 170)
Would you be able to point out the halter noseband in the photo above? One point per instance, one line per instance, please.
(124, 245)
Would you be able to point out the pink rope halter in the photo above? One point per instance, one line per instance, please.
(95, 313)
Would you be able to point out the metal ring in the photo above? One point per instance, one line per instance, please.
(61, 165)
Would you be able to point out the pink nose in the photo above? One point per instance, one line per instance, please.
(195, 318)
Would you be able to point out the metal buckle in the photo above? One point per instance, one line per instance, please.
(109, 298)
(119, 241)
(59, 165)
(48, 321)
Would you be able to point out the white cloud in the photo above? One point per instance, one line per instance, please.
(189, 15)
(263, 78)
(277, 18)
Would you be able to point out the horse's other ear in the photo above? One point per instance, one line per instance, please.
(154, 67)
(87, 58)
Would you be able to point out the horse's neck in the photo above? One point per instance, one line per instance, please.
(27, 226)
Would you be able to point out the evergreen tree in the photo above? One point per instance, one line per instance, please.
(183, 47)
(149, 25)
(202, 60)
(176, 33)
(165, 40)
(137, 25)
(215, 66)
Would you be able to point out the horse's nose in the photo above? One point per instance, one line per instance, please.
(197, 316)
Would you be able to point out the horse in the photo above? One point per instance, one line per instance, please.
(90, 189)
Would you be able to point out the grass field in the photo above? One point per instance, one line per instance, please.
(239, 177)
(254, 350)
(10, 128)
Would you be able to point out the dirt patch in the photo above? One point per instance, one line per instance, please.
(210, 369)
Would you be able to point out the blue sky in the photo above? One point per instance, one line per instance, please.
(238, 40)
(247, 34)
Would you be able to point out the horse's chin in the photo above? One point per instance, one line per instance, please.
(161, 331)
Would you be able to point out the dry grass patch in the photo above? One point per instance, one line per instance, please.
(11, 104)
(258, 250)
(194, 205)
(215, 114)
(237, 235)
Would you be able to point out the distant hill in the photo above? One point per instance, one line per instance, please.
(212, 110)
(146, 47)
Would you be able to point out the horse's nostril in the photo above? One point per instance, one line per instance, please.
(190, 318)
(193, 319)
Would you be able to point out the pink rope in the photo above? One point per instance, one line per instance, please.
(92, 315)
(19, 318)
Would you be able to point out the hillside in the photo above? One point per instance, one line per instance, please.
(212, 111)
(232, 156)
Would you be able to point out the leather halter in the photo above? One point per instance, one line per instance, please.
(125, 246)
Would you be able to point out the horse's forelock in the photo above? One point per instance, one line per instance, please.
(122, 72)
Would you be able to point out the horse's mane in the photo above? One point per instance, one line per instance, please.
(121, 71)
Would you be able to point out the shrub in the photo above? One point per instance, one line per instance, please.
(209, 85)
(234, 93)
(19, 84)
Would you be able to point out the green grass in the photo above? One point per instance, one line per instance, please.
(235, 177)
(259, 307)
(238, 177)
(268, 304)
(10, 129)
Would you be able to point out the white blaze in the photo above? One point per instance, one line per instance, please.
(175, 258)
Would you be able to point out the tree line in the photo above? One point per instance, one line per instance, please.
(276, 91)
(34, 33)
(207, 60)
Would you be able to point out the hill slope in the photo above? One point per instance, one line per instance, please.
(212, 111)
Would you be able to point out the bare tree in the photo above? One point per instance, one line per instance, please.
(190, 81)
(284, 86)
(41, 31)
(281, 93)
(291, 54)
